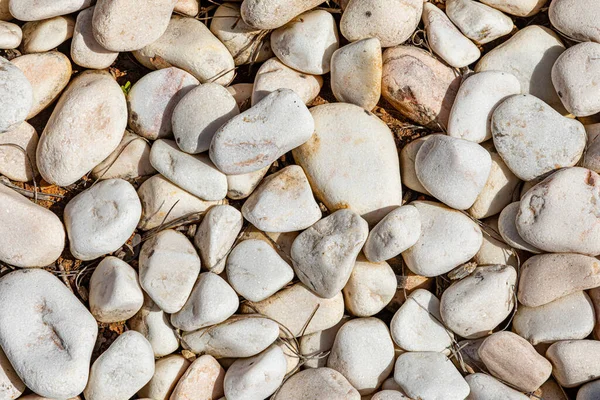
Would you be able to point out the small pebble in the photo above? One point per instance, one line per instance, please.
(33, 10)
(493, 249)
(407, 165)
(14, 163)
(201, 380)
(370, 288)
(477, 21)
(187, 7)
(45, 35)
(85, 49)
(10, 35)
(241, 186)
(316, 345)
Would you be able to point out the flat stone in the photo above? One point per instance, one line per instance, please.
(407, 165)
(476, 100)
(507, 227)
(312, 383)
(10, 35)
(477, 21)
(203, 379)
(350, 138)
(168, 268)
(448, 239)
(167, 372)
(493, 249)
(130, 160)
(485, 387)
(61, 333)
(199, 114)
(274, 13)
(518, 8)
(316, 345)
(70, 146)
(129, 361)
(85, 49)
(11, 386)
(33, 10)
(574, 362)
(30, 235)
(17, 96)
(14, 163)
(41, 36)
(392, 23)
(241, 186)
(576, 19)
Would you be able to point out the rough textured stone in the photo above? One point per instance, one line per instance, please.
(16, 164)
(85, 49)
(17, 96)
(477, 21)
(41, 36)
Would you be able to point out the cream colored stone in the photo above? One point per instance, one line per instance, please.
(17, 153)
(370, 288)
(202, 380)
(574, 362)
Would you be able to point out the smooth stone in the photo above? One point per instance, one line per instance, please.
(272, 14)
(315, 347)
(477, 304)
(241, 186)
(416, 326)
(130, 160)
(448, 238)
(293, 307)
(283, 202)
(187, 7)
(418, 85)
(115, 293)
(168, 268)
(533, 139)
(476, 100)
(45, 35)
(477, 21)
(70, 146)
(49, 73)
(242, 92)
(36, 397)
(567, 318)
(202, 380)
(167, 372)
(446, 40)
(163, 202)
(370, 288)
(188, 44)
(127, 25)
(574, 362)
(392, 23)
(529, 55)
(389, 395)
(324, 254)
(518, 8)
(60, 333)
(545, 222)
(35, 10)
(493, 249)
(152, 100)
(407, 165)
(30, 235)
(430, 375)
(591, 156)
(312, 383)
(199, 114)
(274, 75)
(16, 164)
(363, 352)
(350, 138)
(576, 19)
(246, 44)
(129, 362)
(485, 387)
(575, 76)
(513, 360)
(17, 96)
(589, 391)
(257, 137)
(356, 71)
(453, 170)
(11, 386)
(256, 271)
(10, 35)
(507, 227)
(240, 336)
(154, 324)
(216, 235)
(85, 49)
(281, 242)
(211, 301)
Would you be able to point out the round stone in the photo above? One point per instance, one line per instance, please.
(203, 379)
(10, 35)
(17, 96)
(370, 288)
(576, 19)
(85, 49)
(41, 36)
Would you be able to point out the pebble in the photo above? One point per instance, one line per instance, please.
(356, 71)
(127, 25)
(101, 219)
(312, 383)
(168, 268)
(363, 352)
(477, 21)
(153, 98)
(216, 235)
(274, 75)
(396, 232)
(241, 186)
(167, 372)
(476, 100)
(257, 377)
(389, 395)
(211, 301)
(163, 202)
(407, 165)
(511, 359)
(392, 23)
(129, 362)
(199, 114)
(201, 380)
(14, 163)
(324, 255)
(188, 44)
(493, 249)
(529, 55)
(240, 336)
(45, 35)
(519, 8)
(254, 139)
(60, 333)
(574, 362)
(256, 271)
(507, 227)
(576, 19)
(85, 49)
(11, 386)
(242, 92)
(429, 375)
(48, 73)
(418, 85)
(187, 7)
(589, 391)
(545, 222)
(10, 35)
(368, 150)
(370, 288)
(30, 235)
(569, 317)
(17, 96)
(446, 40)
(316, 345)
(85, 127)
(34, 10)
(448, 239)
(115, 293)
(485, 387)
(274, 13)
(130, 160)
(533, 139)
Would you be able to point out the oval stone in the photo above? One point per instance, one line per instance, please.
(203, 380)
(17, 96)
(10, 35)
(41, 36)
(485, 387)
(35, 10)
(477, 21)
(574, 362)
(16, 164)
(85, 49)
(370, 288)
(272, 14)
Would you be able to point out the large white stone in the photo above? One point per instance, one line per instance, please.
(130, 160)
(576, 19)
(17, 153)
(41, 36)
(518, 8)
(477, 21)
(85, 49)
(370, 288)
(10, 35)
(272, 14)
(17, 96)
(35, 10)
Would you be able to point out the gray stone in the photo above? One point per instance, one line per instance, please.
(589, 391)
(85, 49)
(16, 96)
(41, 36)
